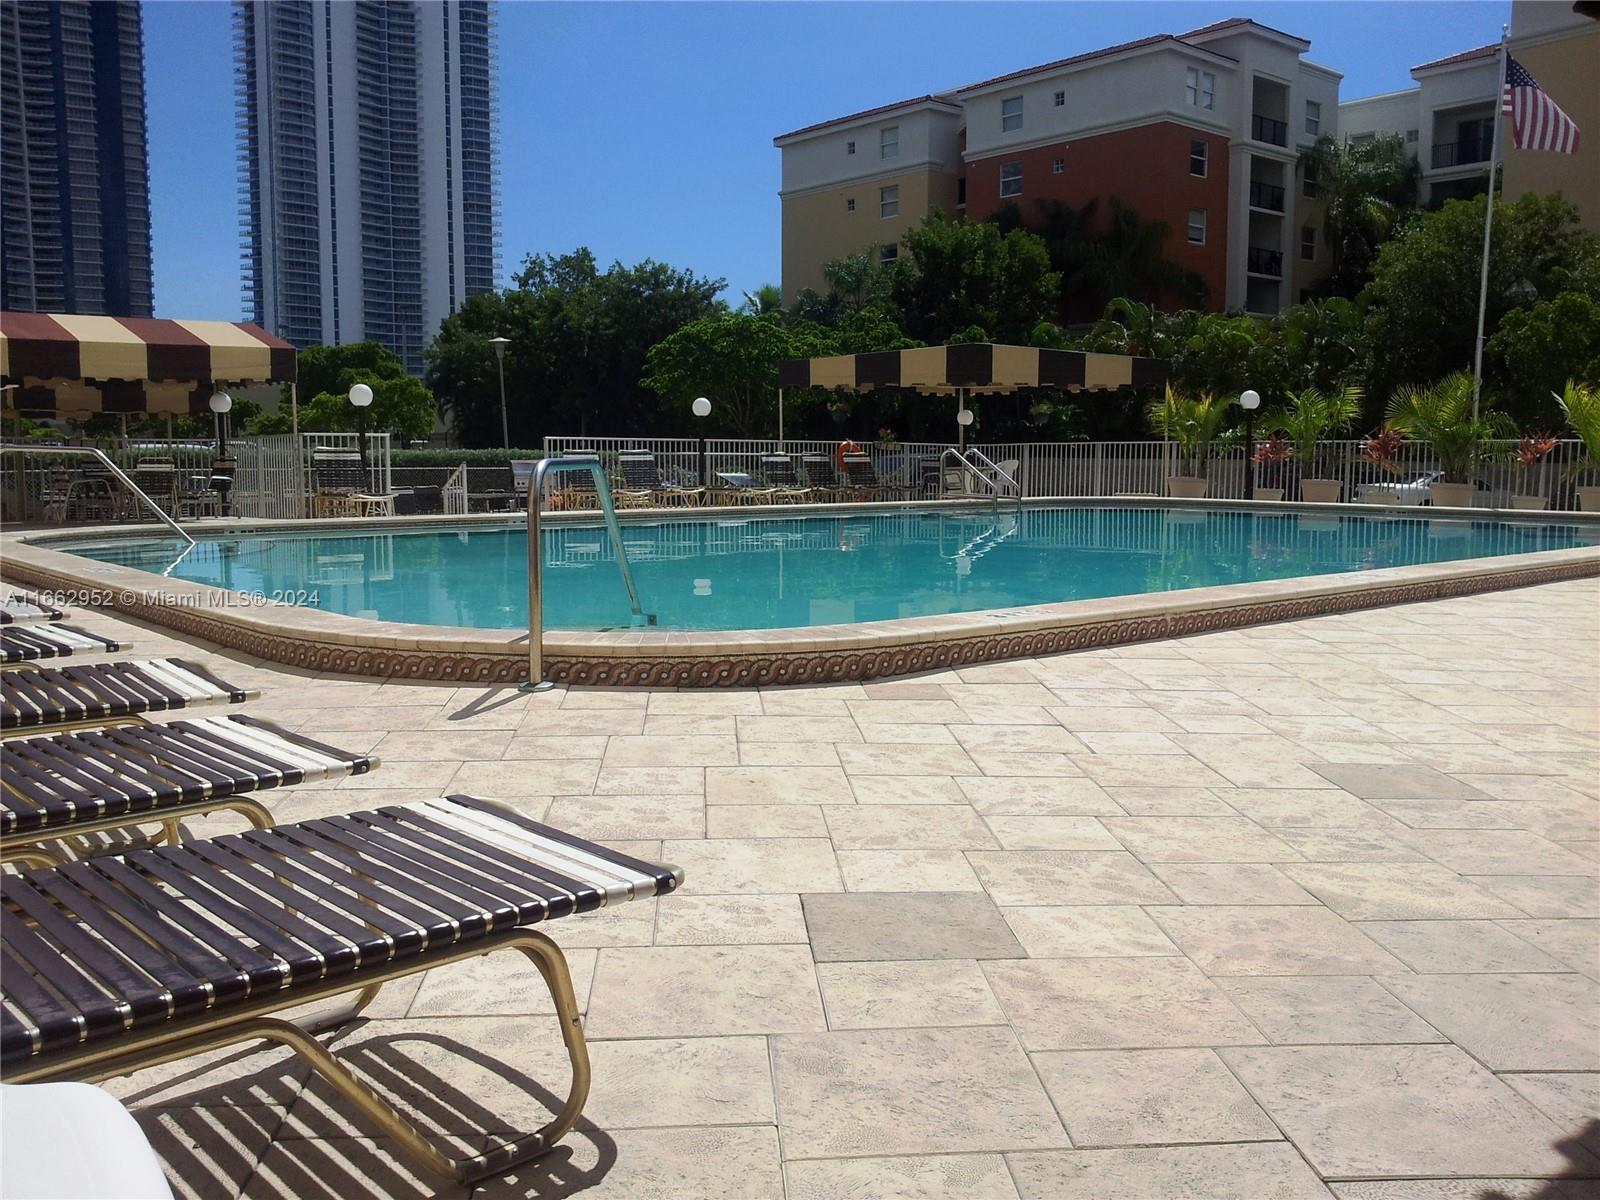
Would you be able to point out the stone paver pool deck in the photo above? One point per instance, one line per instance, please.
(1291, 911)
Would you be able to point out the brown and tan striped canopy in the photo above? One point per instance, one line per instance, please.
(980, 367)
(75, 366)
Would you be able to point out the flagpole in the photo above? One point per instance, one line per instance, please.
(1488, 227)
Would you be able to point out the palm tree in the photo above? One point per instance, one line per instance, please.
(1370, 189)
(765, 299)
(1124, 259)
(1441, 415)
(1311, 415)
(1193, 424)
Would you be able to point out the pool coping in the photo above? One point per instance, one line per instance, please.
(322, 641)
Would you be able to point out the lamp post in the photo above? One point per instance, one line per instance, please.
(221, 470)
(1249, 400)
(963, 421)
(500, 344)
(702, 408)
(361, 397)
(220, 404)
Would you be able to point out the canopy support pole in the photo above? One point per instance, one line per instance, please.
(294, 409)
(780, 420)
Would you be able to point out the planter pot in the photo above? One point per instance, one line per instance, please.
(1186, 487)
(1529, 503)
(1450, 495)
(1320, 491)
(1589, 499)
(1267, 494)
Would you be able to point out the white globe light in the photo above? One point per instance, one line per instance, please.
(1250, 400)
(360, 395)
(220, 402)
(964, 417)
(701, 407)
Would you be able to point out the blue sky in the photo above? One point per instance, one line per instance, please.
(645, 130)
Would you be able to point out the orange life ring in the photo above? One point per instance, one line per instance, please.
(845, 447)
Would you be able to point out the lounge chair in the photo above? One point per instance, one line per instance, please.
(65, 785)
(37, 697)
(24, 644)
(741, 488)
(128, 961)
(643, 483)
(158, 479)
(861, 478)
(822, 477)
(27, 610)
(778, 470)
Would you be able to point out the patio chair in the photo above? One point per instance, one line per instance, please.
(740, 488)
(336, 480)
(778, 469)
(17, 609)
(24, 644)
(36, 697)
(643, 482)
(861, 478)
(68, 785)
(821, 476)
(132, 960)
(158, 479)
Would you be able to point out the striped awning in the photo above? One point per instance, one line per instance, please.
(73, 366)
(978, 367)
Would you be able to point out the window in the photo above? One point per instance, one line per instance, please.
(849, 147)
(850, 204)
(1057, 165)
(1061, 99)
(1199, 154)
(961, 192)
(1411, 136)
(1200, 88)
(889, 202)
(888, 254)
(1308, 243)
(1308, 187)
(1011, 179)
(1011, 114)
(1197, 226)
(889, 142)
(1313, 117)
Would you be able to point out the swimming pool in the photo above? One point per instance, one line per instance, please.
(733, 573)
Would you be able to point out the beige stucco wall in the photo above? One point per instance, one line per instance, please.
(1569, 69)
(818, 228)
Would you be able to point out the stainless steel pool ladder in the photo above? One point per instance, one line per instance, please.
(116, 471)
(536, 681)
(976, 465)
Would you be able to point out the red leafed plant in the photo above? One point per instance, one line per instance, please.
(1382, 449)
(1270, 455)
(1532, 447)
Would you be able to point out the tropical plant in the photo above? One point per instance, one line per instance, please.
(1532, 449)
(1442, 415)
(1369, 191)
(1099, 261)
(1193, 423)
(1581, 404)
(1382, 449)
(1312, 415)
(1270, 455)
(957, 274)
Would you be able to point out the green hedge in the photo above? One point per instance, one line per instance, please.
(453, 458)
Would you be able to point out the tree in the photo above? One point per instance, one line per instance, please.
(957, 274)
(400, 405)
(1370, 193)
(1441, 414)
(1423, 299)
(1536, 350)
(766, 298)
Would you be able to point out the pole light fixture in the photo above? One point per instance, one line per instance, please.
(1249, 400)
(221, 403)
(361, 397)
(500, 344)
(702, 408)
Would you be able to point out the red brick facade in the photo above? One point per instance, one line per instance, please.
(1147, 169)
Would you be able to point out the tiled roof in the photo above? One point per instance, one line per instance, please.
(1234, 22)
(1465, 56)
(1078, 58)
(868, 112)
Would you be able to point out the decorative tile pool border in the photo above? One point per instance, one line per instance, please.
(319, 641)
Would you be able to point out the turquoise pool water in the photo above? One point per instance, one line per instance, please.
(821, 570)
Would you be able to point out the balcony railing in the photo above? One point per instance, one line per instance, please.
(1260, 261)
(1266, 195)
(1456, 154)
(1265, 129)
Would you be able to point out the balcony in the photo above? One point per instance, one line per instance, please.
(1458, 154)
(1266, 195)
(1261, 261)
(1265, 129)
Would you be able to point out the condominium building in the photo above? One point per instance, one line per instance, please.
(74, 173)
(1448, 117)
(1200, 130)
(368, 166)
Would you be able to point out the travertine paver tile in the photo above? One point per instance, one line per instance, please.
(676, 725)
(1027, 765)
(730, 920)
(1088, 931)
(1271, 940)
(1110, 1003)
(787, 754)
(639, 781)
(1571, 1099)
(764, 821)
(906, 712)
(699, 991)
(1522, 1022)
(777, 785)
(909, 1091)
(1170, 802)
(327, 1168)
(1352, 845)
(908, 827)
(1150, 1098)
(1037, 797)
(1372, 1111)
(760, 866)
(1135, 719)
(625, 750)
(1462, 1189)
(1443, 947)
(544, 722)
(892, 734)
(1305, 808)
(508, 779)
(1249, 1171)
(884, 926)
(1149, 770)
(558, 748)
(607, 698)
(797, 727)
(1372, 781)
(435, 776)
(935, 1177)
(1051, 833)
(1015, 877)
(208, 1148)
(906, 760)
(496, 984)
(1199, 839)
(1397, 891)
(906, 870)
(609, 817)
(912, 789)
(1231, 883)
(1545, 895)
(1576, 942)
(1326, 1009)
(1016, 739)
(1500, 852)
(718, 1163)
(893, 995)
(701, 701)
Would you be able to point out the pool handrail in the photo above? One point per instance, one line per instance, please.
(975, 469)
(536, 681)
(116, 471)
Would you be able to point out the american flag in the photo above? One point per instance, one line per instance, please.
(1537, 122)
